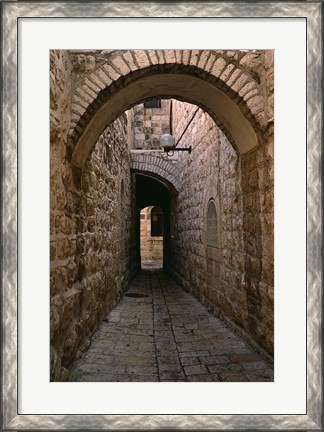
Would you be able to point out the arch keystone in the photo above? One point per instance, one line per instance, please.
(153, 57)
(141, 59)
(169, 56)
(128, 58)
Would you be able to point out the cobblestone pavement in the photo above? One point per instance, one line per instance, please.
(165, 334)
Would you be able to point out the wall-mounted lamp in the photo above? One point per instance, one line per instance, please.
(168, 144)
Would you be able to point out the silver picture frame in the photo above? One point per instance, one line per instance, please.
(11, 11)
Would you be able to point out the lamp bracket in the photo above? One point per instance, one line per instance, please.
(173, 149)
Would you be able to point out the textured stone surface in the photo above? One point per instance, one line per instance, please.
(150, 124)
(157, 163)
(90, 247)
(91, 226)
(151, 247)
(93, 246)
(167, 336)
(235, 279)
(230, 71)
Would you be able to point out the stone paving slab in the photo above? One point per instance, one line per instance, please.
(168, 335)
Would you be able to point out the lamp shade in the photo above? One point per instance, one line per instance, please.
(167, 141)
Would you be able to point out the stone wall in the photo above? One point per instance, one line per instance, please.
(150, 124)
(258, 232)
(151, 247)
(94, 220)
(235, 277)
(92, 251)
(62, 228)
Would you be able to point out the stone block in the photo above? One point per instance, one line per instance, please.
(78, 109)
(186, 56)
(141, 59)
(94, 87)
(268, 247)
(268, 202)
(194, 57)
(129, 60)
(253, 267)
(58, 281)
(227, 71)
(210, 62)
(169, 56)
(110, 72)
(119, 64)
(239, 83)
(247, 89)
(103, 77)
(252, 181)
(256, 104)
(90, 210)
(253, 242)
(91, 224)
(268, 59)
(234, 76)
(52, 224)
(251, 204)
(89, 91)
(260, 116)
(270, 81)
(270, 106)
(52, 250)
(63, 224)
(63, 248)
(97, 81)
(139, 136)
(195, 370)
(70, 345)
(54, 321)
(214, 359)
(153, 57)
(218, 67)
(251, 61)
(71, 271)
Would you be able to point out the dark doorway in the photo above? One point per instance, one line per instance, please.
(154, 196)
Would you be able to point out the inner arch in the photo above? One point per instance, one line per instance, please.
(182, 86)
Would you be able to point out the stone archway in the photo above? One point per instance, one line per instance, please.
(156, 165)
(235, 89)
(225, 84)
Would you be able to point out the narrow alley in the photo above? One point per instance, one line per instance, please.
(161, 156)
(159, 332)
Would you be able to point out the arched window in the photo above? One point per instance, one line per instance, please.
(212, 235)
(156, 222)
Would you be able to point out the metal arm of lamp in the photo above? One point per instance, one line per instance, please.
(168, 144)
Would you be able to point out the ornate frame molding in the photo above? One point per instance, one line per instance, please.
(11, 11)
